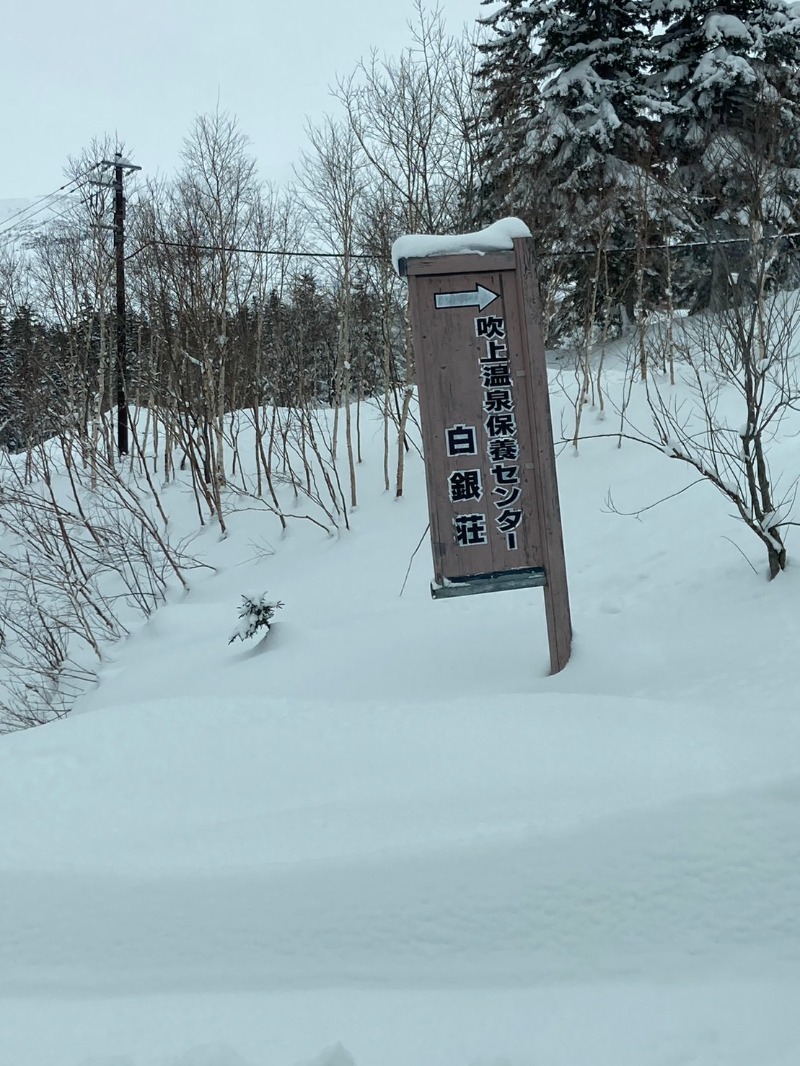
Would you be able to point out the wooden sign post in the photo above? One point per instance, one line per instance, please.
(487, 430)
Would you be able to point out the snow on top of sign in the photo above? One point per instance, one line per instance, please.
(495, 238)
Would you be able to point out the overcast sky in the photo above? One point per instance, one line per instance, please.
(72, 71)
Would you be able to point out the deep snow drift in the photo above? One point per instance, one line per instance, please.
(384, 835)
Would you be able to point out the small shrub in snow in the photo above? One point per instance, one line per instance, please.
(255, 613)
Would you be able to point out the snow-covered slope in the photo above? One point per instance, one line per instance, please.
(13, 211)
(385, 827)
(12, 207)
(21, 218)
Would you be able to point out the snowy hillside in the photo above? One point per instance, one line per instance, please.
(12, 207)
(22, 217)
(383, 835)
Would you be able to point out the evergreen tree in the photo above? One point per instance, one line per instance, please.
(571, 130)
(509, 82)
(7, 390)
(728, 94)
(25, 399)
(300, 343)
(367, 337)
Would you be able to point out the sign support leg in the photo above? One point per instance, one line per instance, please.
(556, 593)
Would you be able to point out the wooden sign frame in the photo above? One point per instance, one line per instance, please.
(487, 430)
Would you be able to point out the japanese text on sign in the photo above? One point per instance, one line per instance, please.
(502, 446)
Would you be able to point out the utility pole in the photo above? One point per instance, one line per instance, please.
(121, 167)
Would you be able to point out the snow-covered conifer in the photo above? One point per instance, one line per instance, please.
(572, 118)
(728, 93)
(255, 613)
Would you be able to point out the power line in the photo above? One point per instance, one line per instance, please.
(31, 206)
(671, 246)
(27, 227)
(8, 238)
(254, 251)
(29, 211)
(6, 231)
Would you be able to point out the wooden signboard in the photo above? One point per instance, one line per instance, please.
(487, 431)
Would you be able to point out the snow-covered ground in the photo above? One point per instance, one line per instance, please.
(385, 835)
